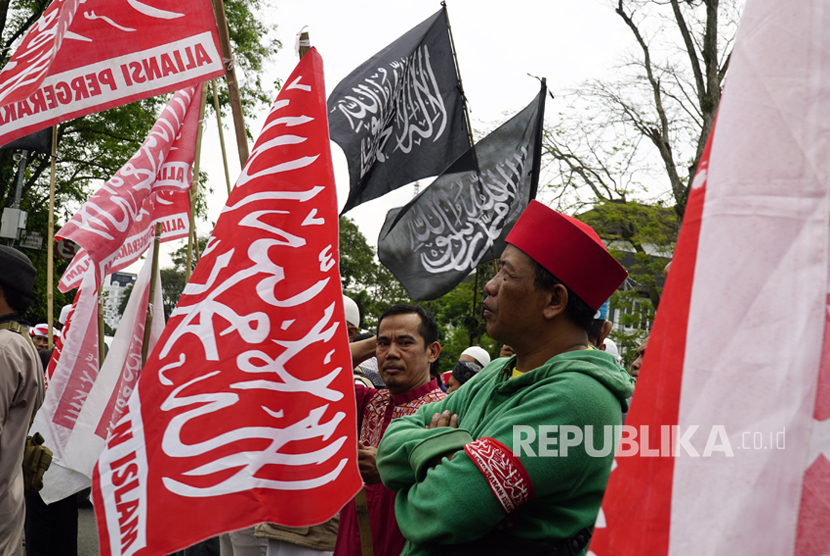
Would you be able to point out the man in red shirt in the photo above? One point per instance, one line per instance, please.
(407, 343)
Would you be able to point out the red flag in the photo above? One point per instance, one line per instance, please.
(113, 52)
(245, 411)
(171, 208)
(730, 412)
(32, 60)
(114, 226)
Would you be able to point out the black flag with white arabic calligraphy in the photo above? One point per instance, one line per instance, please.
(399, 117)
(462, 218)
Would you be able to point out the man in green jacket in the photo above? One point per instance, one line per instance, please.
(516, 461)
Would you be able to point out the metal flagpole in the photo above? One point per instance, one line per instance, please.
(194, 188)
(221, 134)
(230, 78)
(50, 242)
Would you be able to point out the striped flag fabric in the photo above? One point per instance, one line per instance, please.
(728, 450)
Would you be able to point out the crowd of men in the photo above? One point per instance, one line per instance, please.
(444, 468)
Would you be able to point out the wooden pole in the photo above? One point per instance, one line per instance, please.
(305, 44)
(458, 74)
(363, 524)
(148, 323)
(194, 188)
(221, 134)
(102, 352)
(50, 242)
(230, 78)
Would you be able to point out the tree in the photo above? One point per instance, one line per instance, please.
(646, 129)
(93, 148)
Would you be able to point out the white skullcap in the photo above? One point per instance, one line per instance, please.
(352, 312)
(611, 347)
(478, 353)
(64, 314)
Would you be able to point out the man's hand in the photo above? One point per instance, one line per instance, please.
(443, 420)
(366, 463)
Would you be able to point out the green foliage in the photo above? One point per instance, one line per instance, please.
(636, 315)
(172, 286)
(642, 237)
(125, 298)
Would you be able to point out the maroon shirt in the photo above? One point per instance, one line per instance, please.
(375, 410)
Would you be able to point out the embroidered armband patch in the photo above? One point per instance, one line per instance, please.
(504, 472)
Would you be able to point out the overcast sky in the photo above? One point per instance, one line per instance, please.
(498, 44)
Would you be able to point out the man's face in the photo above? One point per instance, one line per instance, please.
(513, 304)
(403, 359)
(41, 342)
(453, 384)
(641, 352)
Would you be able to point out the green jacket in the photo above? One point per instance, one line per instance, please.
(552, 495)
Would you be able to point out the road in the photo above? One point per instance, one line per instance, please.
(87, 532)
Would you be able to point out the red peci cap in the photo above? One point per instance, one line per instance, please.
(571, 250)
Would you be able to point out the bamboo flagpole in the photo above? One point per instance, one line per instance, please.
(148, 323)
(221, 135)
(230, 78)
(50, 243)
(194, 188)
(102, 352)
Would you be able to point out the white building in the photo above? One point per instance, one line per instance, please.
(114, 286)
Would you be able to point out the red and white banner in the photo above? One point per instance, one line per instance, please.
(731, 410)
(85, 57)
(33, 58)
(70, 377)
(171, 208)
(115, 225)
(245, 412)
(107, 399)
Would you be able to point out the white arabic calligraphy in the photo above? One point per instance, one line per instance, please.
(210, 315)
(455, 232)
(403, 98)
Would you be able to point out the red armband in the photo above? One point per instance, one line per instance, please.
(503, 471)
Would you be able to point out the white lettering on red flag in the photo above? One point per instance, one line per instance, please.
(740, 340)
(245, 412)
(113, 52)
(114, 226)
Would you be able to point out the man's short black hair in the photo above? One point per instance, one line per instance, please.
(428, 329)
(18, 301)
(577, 309)
(595, 330)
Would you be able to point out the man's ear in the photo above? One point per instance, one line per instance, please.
(603, 333)
(433, 351)
(556, 301)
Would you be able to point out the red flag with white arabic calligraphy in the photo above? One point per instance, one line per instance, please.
(85, 57)
(170, 208)
(245, 411)
(730, 447)
(124, 210)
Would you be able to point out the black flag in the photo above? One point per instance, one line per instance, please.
(399, 117)
(39, 141)
(462, 218)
